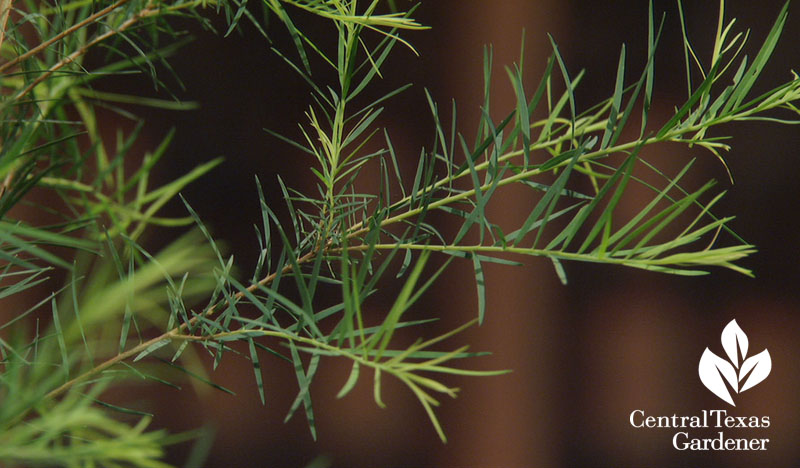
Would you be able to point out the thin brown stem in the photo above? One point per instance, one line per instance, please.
(85, 48)
(89, 20)
(5, 9)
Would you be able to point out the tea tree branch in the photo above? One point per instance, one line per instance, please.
(127, 305)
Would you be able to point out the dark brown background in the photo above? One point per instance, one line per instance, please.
(584, 355)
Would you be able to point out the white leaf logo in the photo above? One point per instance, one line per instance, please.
(731, 335)
(721, 376)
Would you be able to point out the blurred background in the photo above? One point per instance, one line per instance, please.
(584, 355)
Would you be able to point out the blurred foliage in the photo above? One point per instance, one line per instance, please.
(108, 312)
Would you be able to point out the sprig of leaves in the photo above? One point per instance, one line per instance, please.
(123, 309)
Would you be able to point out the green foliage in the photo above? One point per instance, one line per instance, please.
(123, 316)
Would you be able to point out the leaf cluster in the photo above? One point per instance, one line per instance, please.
(122, 315)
